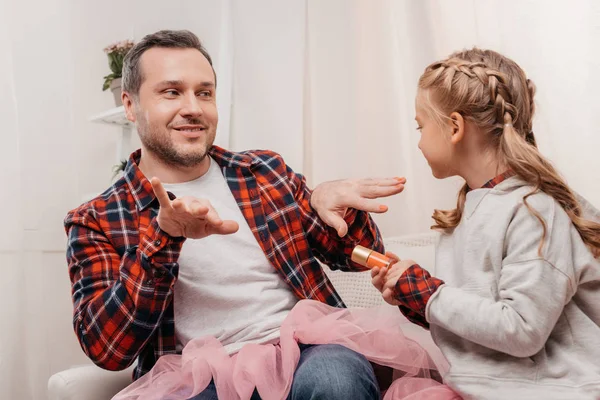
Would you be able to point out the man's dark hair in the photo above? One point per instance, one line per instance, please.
(132, 71)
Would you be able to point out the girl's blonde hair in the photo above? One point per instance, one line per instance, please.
(492, 92)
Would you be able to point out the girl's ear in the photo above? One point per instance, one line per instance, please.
(457, 125)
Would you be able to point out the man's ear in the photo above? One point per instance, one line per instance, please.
(129, 105)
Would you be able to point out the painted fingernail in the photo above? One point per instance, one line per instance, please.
(383, 208)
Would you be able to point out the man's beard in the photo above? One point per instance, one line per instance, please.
(161, 144)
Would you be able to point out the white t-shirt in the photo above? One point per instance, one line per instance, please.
(226, 288)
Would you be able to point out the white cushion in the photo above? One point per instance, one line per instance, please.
(87, 382)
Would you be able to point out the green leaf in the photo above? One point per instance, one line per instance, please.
(115, 63)
(108, 80)
(118, 168)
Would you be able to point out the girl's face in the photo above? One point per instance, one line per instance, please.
(435, 143)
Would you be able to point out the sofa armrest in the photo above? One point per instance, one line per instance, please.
(87, 382)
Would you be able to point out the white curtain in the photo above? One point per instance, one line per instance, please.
(329, 84)
(365, 60)
(359, 61)
(557, 45)
(51, 156)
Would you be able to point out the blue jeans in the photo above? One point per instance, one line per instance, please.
(327, 372)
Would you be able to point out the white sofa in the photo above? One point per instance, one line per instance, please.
(89, 382)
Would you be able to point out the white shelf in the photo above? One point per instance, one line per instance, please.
(114, 116)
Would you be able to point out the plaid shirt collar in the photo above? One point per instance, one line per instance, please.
(140, 186)
(497, 180)
(476, 196)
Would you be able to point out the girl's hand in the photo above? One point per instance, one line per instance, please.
(391, 278)
(378, 278)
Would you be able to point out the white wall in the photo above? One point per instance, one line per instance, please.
(556, 42)
(365, 60)
(52, 66)
(268, 95)
(328, 84)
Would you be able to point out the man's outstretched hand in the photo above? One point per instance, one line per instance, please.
(188, 216)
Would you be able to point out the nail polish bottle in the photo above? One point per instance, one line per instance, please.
(370, 258)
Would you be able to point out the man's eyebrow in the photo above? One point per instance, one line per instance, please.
(170, 83)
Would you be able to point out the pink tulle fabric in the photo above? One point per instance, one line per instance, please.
(381, 334)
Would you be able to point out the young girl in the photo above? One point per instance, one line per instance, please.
(515, 304)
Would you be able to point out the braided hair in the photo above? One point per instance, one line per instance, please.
(492, 91)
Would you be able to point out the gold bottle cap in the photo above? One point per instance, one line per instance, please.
(360, 255)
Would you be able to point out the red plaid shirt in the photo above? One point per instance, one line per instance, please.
(123, 268)
(416, 286)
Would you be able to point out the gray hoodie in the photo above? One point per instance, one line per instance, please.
(515, 324)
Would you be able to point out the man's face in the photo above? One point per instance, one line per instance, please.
(175, 110)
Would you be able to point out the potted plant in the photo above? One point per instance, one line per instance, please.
(116, 53)
(118, 169)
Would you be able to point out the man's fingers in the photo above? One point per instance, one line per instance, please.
(213, 218)
(197, 209)
(367, 205)
(377, 191)
(178, 205)
(336, 222)
(160, 192)
(226, 227)
(382, 181)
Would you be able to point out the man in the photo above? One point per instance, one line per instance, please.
(197, 241)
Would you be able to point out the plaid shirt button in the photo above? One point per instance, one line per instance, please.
(158, 273)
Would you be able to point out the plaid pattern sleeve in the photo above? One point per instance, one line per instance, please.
(324, 240)
(119, 299)
(413, 289)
